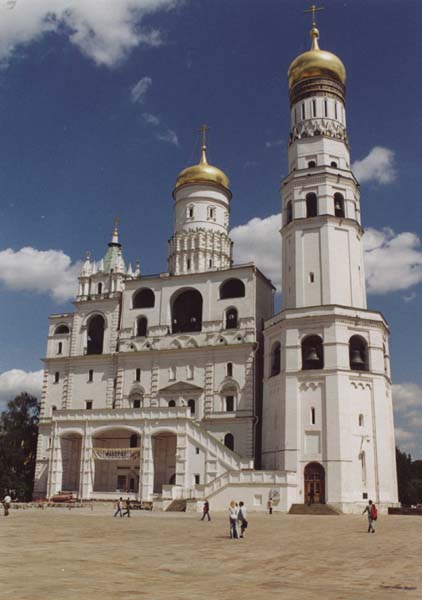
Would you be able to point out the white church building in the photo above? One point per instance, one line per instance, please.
(186, 385)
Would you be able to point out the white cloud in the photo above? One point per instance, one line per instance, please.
(410, 297)
(140, 89)
(15, 381)
(169, 136)
(407, 396)
(392, 261)
(259, 241)
(378, 166)
(42, 271)
(103, 30)
(274, 143)
(151, 119)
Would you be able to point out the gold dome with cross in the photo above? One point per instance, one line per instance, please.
(202, 172)
(316, 62)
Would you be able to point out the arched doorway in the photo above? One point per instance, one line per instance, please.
(116, 454)
(71, 445)
(95, 335)
(164, 452)
(314, 484)
(186, 312)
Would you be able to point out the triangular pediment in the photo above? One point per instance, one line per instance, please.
(181, 386)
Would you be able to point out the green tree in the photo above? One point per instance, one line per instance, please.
(18, 445)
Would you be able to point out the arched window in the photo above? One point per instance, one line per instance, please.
(231, 318)
(100, 288)
(172, 403)
(275, 359)
(190, 212)
(229, 403)
(141, 327)
(187, 312)
(232, 288)
(312, 352)
(358, 353)
(59, 347)
(133, 440)
(333, 164)
(56, 377)
(229, 441)
(144, 298)
(229, 369)
(311, 205)
(136, 399)
(289, 213)
(191, 404)
(61, 329)
(311, 164)
(95, 335)
(339, 205)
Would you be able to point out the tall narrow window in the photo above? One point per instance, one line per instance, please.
(189, 372)
(325, 108)
(197, 479)
(311, 205)
(339, 205)
(190, 212)
(188, 263)
(311, 277)
(229, 441)
(275, 359)
(363, 466)
(141, 327)
(90, 376)
(289, 212)
(314, 108)
(229, 369)
(133, 441)
(335, 110)
(231, 318)
(172, 373)
(138, 375)
(303, 110)
(361, 421)
(229, 403)
(89, 405)
(191, 404)
(312, 416)
(100, 288)
(56, 377)
(60, 348)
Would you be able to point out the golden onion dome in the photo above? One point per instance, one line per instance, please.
(202, 173)
(316, 63)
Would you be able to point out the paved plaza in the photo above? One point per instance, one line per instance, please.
(80, 554)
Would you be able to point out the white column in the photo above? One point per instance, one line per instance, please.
(86, 477)
(146, 475)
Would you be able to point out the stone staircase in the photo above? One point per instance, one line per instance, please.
(313, 509)
(177, 506)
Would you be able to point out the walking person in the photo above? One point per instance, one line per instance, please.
(270, 505)
(371, 509)
(206, 511)
(311, 495)
(119, 505)
(241, 517)
(127, 504)
(233, 514)
(6, 504)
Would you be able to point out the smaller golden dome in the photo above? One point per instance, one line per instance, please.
(202, 173)
(316, 63)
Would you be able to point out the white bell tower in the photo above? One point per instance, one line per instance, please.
(327, 392)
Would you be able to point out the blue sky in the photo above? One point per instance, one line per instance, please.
(99, 108)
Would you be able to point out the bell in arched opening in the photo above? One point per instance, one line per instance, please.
(356, 358)
(312, 355)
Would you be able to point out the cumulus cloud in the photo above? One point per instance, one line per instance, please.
(378, 166)
(140, 89)
(42, 271)
(392, 261)
(169, 136)
(151, 119)
(259, 241)
(16, 381)
(407, 402)
(104, 31)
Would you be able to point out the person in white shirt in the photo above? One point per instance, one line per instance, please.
(233, 514)
(6, 504)
(242, 518)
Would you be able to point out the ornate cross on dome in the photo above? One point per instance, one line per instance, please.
(313, 10)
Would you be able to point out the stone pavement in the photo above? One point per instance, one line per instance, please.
(82, 554)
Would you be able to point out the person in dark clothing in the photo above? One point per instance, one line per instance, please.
(241, 517)
(206, 511)
(127, 511)
(311, 495)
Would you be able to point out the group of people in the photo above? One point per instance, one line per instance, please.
(119, 508)
(237, 517)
